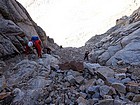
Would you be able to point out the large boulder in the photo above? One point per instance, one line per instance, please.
(6, 46)
(105, 72)
(49, 60)
(119, 87)
(136, 98)
(106, 102)
(23, 71)
(128, 55)
(77, 66)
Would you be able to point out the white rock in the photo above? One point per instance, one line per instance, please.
(120, 76)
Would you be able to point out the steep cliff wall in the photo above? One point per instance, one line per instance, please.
(15, 22)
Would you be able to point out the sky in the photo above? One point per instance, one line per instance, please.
(73, 22)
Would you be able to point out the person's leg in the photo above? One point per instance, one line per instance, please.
(39, 52)
(26, 51)
(35, 52)
(84, 57)
(87, 58)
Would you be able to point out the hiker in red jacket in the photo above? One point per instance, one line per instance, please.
(38, 48)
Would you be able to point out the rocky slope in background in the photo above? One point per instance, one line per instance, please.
(15, 21)
(118, 49)
(120, 44)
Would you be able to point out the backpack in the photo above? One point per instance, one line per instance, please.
(34, 38)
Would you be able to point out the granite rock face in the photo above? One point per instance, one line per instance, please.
(119, 46)
(15, 22)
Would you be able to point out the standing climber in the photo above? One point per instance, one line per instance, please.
(86, 55)
(37, 45)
